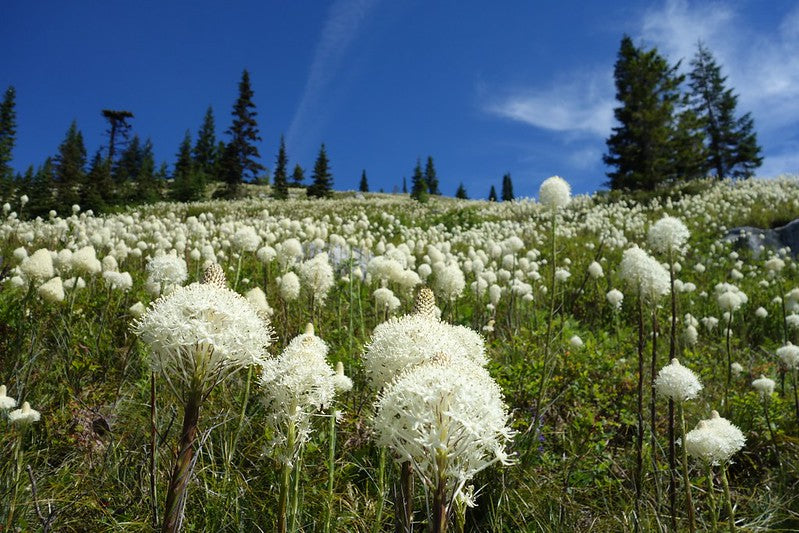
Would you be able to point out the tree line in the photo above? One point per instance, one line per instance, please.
(665, 133)
(124, 171)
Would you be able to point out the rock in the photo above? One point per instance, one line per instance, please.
(757, 239)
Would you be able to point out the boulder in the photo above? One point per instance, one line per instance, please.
(757, 239)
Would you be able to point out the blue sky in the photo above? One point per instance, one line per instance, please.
(485, 88)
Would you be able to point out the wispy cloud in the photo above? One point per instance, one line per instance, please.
(580, 104)
(344, 19)
(763, 67)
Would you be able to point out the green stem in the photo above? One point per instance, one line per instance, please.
(15, 483)
(381, 489)
(176, 494)
(295, 493)
(285, 481)
(241, 416)
(153, 433)
(727, 498)
(652, 413)
(689, 501)
(331, 465)
(711, 500)
(639, 444)
(766, 400)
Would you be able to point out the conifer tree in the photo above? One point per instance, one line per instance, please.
(461, 192)
(240, 162)
(118, 126)
(364, 185)
(732, 149)
(404, 185)
(322, 179)
(148, 184)
(97, 192)
(507, 188)
(492, 194)
(298, 176)
(41, 190)
(8, 132)
(430, 177)
(186, 177)
(205, 153)
(280, 189)
(643, 145)
(419, 190)
(130, 160)
(70, 166)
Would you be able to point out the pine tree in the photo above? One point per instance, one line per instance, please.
(97, 192)
(148, 184)
(419, 190)
(243, 136)
(364, 185)
(298, 177)
(404, 185)
(642, 146)
(430, 177)
(461, 192)
(186, 186)
(8, 132)
(70, 164)
(280, 189)
(492, 194)
(322, 185)
(117, 126)
(732, 149)
(205, 153)
(507, 188)
(41, 190)
(130, 161)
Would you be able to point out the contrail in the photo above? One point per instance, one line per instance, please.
(339, 31)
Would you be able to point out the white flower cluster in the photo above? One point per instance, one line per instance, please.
(668, 235)
(554, 192)
(446, 416)
(677, 382)
(165, 272)
(714, 440)
(296, 384)
(789, 354)
(645, 275)
(764, 385)
(317, 277)
(201, 332)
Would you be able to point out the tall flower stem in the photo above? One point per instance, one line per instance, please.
(727, 499)
(711, 500)
(176, 494)
(381, 489)
(689, 501)
(241, 416)
(440, 499)
(766, 401)
(639, 444)
(285, 482)
(153, 465)
(295, 492)
(404, 500)
(729, 366)
(331, 472)
(652, 418)
(672, 355)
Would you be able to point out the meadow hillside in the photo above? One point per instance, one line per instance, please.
(146, 388)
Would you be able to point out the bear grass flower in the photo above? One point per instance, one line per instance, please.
(6, 402)
(202, 332)
(555, 192)
(296, 384)
(677, 382)
(714, 440)
(38, 266)
(52, 291)
(668, 235)
(24, 415)
(764, 385)
(645, 275)
(447, 418)
(789, 354)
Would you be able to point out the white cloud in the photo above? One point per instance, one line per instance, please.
(582, 104)
(762, 66)
(341, 27)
